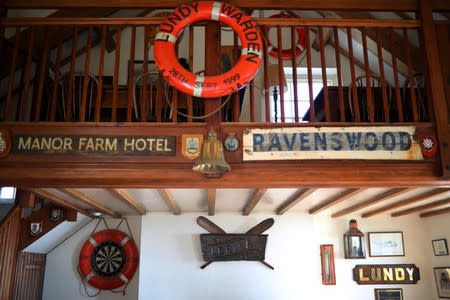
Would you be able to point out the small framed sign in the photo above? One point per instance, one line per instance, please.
(386, 244)
(327, 260)
(388, 294)
(440, 247)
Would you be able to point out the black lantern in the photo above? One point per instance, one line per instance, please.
(354, 242)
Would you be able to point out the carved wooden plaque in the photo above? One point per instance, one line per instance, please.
(227, 247)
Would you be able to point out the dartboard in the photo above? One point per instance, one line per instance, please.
(108, 259)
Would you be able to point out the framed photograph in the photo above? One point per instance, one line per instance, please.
(327, 260)
(440, 247)
(386, 243)
(442, 277)
(388, 294)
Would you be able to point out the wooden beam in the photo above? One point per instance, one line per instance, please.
(129, 200)
(378, 198)
(91, 202)
(335, 200)
(259, 193)
(211, 201)
(378, 5)
(61, 201)
(25, 198)
(170, 201)
(421, 197)
(296, 198)
(421, 207)
(437, 89)
(435, 212)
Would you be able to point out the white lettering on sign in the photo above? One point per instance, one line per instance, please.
(158, 145)
(331, 143)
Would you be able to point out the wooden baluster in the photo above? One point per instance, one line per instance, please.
(252, 101)
(368, 75)
(294, 71)
(101, 66)
(86, 79)
(398, 99)
(312, 109)
(7, 112)
(354, 93)
(55, 98)
(323, 64)
(280, 75)
(339, 75)
(23, 103)
(145, 93)
(116, 74)
(384, 87)
(132, 83)
(265, 30)
(70, 88)
(43, 76)
(190, 102)
(236, 95)
(412, 83)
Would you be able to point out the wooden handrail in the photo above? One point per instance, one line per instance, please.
(260, 21)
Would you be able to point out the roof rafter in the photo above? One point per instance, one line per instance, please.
(61, 201)
(253, 201)
(335, 200)
(378, 198)
(91, 202)
(129, 200)
(170, 201)
(211, 201)
(421, 197)
(421, 207)
(296, 198)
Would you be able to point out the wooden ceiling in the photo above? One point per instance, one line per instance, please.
(332, 202)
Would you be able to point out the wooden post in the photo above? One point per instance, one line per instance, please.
(212, 63)
(436, 86)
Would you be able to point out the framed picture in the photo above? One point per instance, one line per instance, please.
(440, 247)
(386, 243)
(442, 277)
(327, 260)
(388, 294)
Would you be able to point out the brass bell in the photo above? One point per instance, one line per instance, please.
(211, 161)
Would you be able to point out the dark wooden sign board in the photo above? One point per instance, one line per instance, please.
(386, 274)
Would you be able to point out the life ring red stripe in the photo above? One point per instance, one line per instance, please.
(131, 257)
(210, 86)
(288, 53)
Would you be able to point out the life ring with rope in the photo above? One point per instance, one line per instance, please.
(208, 86)
(108, 259)
(288, 53)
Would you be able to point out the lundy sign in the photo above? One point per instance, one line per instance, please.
(331, 143)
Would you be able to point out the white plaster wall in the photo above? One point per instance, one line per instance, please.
(62, 281)
(438, 227)
(171, 259)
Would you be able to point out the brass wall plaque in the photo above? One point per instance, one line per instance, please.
(386, 274)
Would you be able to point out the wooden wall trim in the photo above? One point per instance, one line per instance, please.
(437, 89)
(176, 171)
(380, 5)
(9, 244)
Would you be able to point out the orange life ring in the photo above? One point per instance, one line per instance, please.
(288, 53)
(108, 259)
(210, 86)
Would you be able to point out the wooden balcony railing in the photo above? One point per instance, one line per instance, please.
(102, 70)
